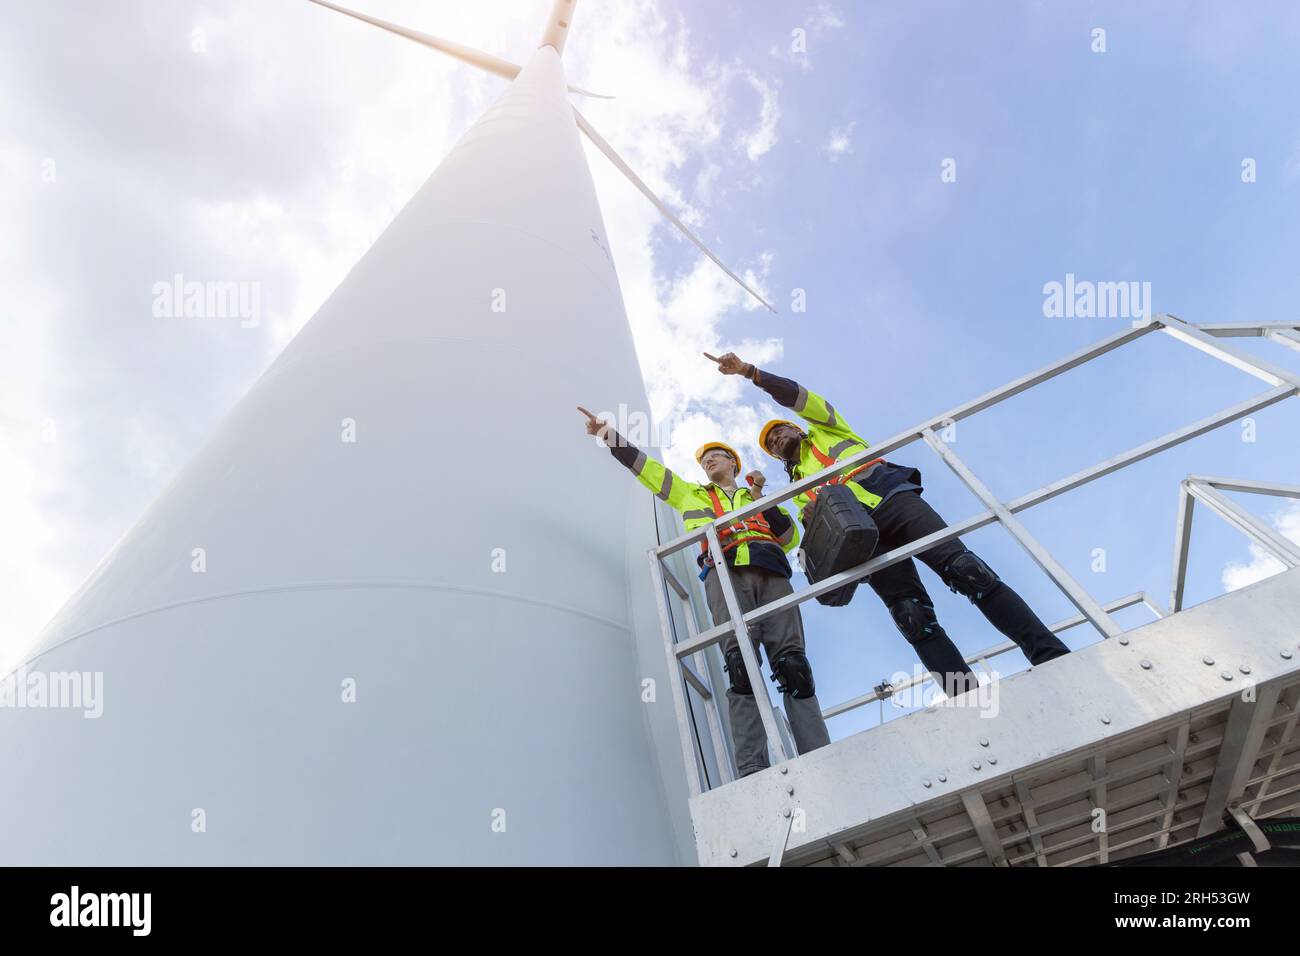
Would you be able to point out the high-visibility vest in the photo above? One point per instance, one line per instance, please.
(827, 461)
(829, 431)
(755, 527)
(701, 504)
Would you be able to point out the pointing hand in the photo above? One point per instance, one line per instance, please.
(596, 427)
(731, 364)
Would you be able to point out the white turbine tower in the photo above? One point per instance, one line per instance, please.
(404, 509)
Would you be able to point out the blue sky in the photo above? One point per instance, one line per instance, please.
(286, 138)
(1114, 166)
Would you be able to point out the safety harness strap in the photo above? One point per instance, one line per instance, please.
(757, 527)
(827, 460)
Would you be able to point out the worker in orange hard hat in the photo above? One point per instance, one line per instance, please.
(755, 552)
(892, 494)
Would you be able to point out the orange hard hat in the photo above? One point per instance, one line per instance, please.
(767, 430)
(710, 445)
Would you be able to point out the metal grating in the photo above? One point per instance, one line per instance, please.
(1152, 786)
(1163, 731)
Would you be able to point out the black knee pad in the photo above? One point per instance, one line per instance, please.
(915, 619)
(793, 675)
(739, 677)
(966, 574)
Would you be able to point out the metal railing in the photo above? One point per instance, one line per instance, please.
(1282, 384)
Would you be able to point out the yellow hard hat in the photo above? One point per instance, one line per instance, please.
(767, 430)
(709, 445)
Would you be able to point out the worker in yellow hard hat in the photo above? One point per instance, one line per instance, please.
(892, 494)
(755, 552)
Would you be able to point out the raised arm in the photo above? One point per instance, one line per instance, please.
(788, 393)
(666, 484)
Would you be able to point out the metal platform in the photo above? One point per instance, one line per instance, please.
(1137, 743)
(1121, 748)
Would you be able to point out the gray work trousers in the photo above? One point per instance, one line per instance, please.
(779, 634)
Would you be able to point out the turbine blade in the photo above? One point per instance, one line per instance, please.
(484, 61)
(626, 170)
(466, 54)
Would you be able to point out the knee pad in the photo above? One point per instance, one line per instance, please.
(915, 619)
(739, 678)
(967, 575)
(793, 675)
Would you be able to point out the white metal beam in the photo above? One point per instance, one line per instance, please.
(1242, 738)
(1203, 341)
(1182, 547)
(1284, 337)
(983, 824)
(1175, 781)
(1246, 523)
(1080, 598)
(782, 838)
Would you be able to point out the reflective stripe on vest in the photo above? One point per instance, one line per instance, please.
(827, 461)
(757, 527)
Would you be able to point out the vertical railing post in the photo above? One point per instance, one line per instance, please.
(712, 707)
(1080, 598)
(752, 668)
(1182, 546)
(675, 680)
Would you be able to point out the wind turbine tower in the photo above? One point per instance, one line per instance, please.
(396, 611)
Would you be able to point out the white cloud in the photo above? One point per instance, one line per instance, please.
(1262, 564)
(277, 155)
(823, 20)
(674, 114)
(826, 18)
(840, 141)
(760, 140)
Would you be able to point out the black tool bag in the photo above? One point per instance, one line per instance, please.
(839, 535)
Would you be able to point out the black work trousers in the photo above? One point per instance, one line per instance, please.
(905, 517)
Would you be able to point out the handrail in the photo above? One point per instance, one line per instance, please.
(1284, 384)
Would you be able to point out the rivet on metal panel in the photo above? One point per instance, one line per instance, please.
(1105, 719)
(1146, 665)
(790, 790)
(734, 854)
(993, 761)
(1286, 654)
(975, 765)
(785, 769)
(943, 778)
(1194, 739)
(1124, 640)
(1207, 660)
(1226, 675)
(984, 741)
(926, 784)
(1245, 668)
(785, 812)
